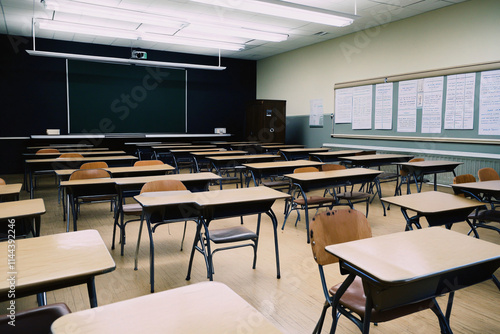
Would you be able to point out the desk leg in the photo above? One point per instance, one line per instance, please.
(411, 220)
(336, 299)
(41, 298)
(68, 203)
(31, 186)
(91, 290)
(37, 225)
(271, 215)
(197, 238)
(151, 255)
(416, 182)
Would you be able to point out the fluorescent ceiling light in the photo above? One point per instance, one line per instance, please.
(286, 10)
(239, 32)
(133, 35)
(107, 12)
(123, 61)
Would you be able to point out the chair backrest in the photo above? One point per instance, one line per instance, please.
(403, 172)
(305, 170)
(94, 165)
(327, 167)
(2, 181)
(334, 227)
(148, 162)
(464, 178)
(163, 185)
(487, 174)
(83, 174)
(47, 150)
(71, 155)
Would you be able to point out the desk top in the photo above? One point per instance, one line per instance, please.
(376, 157)
(333, 174)
(189, 150)
(181, 310)
(122, 181)
(120, 170)
(420, 254)
(10, 189)
(180, 147)
(215, 153)
(489, 187)
(84, 153)
(305, 150)
(54, 259)
(336, 153)
(283, 164)
(242, 157)
(24, 208)
(431, 202)
(215, 197)
(281, 146)
(84, 159)
(430, 163)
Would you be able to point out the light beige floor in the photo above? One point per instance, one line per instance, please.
(293, 303)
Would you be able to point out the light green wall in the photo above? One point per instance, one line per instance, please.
(461, 34)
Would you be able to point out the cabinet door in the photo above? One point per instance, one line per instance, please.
(266, 121)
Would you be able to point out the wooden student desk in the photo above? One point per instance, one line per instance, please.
(479, 189)
(260, 170)
(437, 207)
(205, 207)
(300, 153)
(332, 156)
(57, 261)
(185, 156)
(10, 191)
(33, 165)
(274, 148)
(131, 186)
(407, 267)
(421, 168)
(306, 182)
(200, 157)
(207, 307)
(84, 153)
(30, 208)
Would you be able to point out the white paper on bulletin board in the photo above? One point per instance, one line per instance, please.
(316, 115)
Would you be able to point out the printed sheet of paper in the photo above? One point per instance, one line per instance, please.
(489, 103)
(362, 107)
(316, 115)
(407, 106)
(459, 110)
(343, 105)
(432, 106)
(383, 106)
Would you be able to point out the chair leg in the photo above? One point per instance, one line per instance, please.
(319, 324)
(183, 235)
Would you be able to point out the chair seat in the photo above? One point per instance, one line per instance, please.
(355, 195)
(97, 198)
(387, 176)
(37, 320)
(488, 215)
(354, 299)
(315, 200)
(271, 184)
(132, 209)
(231, 234)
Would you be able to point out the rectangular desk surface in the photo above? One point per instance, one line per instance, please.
(332, 174)
(245, 157)
(124, 170)
(280, 146)
(432, 202)
(305, 150)
(54, 261)
(192, 150)
(377, 157)
(24, 208)
(336, 153)
(207, 307)
(431, 164)
(202, 154)
(10, 189)
(84, 153)
(490, 187)
(420, 254)
(283, 164)
(84, 159)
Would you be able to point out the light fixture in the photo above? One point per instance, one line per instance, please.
(123, 61)
(239, 32)
(286, 10)
(191, 42)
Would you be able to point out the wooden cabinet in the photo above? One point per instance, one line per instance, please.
(266, 121)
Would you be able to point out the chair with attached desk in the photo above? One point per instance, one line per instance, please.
(482, 216)
(84, 174)
(339, 226)
(299, 203)
(352, 197)
(37, 320)
(135, 209)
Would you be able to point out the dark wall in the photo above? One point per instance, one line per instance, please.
(33, 91)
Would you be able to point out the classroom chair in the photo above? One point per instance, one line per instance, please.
(487, 174)
(94, 165)
(297, 202)
(49, 172)
(339, 226)
(37, 320)
(148, 163)
(2, 182)
(70, 155)
(135, 209)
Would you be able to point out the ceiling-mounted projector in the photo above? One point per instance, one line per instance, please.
(139, 54)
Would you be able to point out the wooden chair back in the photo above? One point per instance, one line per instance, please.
(71, 155)
(148, 163)
(305, 169)
(327, 167)
(83, 174)
(47, 150)
(163, 185)
(94, 165)
(334, 227)
(464, 178)
(487, 174)
(2, 181)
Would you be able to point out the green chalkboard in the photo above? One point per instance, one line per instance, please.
(110, 98)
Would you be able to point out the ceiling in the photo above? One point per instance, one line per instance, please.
(16, 19)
